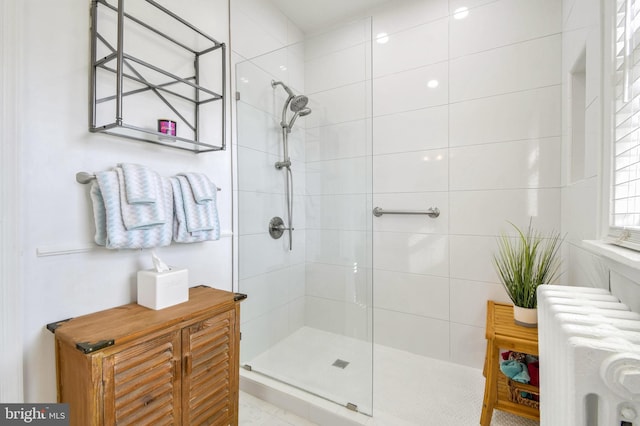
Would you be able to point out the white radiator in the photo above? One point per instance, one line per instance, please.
(589, 347)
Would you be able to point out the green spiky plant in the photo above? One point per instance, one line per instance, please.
(524, 263)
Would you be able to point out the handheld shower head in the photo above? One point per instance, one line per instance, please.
(301, 113)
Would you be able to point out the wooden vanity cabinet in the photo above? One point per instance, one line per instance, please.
(131, 365)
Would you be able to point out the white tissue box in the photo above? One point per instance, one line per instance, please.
(158, 290)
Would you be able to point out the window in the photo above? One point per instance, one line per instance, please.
(624, 222)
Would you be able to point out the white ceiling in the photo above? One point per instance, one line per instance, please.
(312, 15)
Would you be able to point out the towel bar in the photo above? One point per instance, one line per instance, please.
(431, 212)
(84, 178)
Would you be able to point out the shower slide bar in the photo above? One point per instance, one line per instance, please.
(431, 212)
(84, 178)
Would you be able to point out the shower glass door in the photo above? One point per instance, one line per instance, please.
(308, 320)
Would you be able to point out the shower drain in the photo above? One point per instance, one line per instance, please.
(340, 363)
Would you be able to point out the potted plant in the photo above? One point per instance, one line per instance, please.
(523, 263)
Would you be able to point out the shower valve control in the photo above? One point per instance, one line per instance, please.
(277, 228)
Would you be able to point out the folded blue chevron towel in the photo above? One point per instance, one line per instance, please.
(198, 216)
(202, 188)
(140, 183)
(111, 231)
(207, 215)
(142, 215)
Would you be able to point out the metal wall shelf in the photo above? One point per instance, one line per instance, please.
(164, 73)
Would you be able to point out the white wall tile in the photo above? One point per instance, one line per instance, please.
(249, 39)
(413, 201)
(343, 140)
(521, 115)
(270, 290)
(255, 209)
(346, 248)
(417, 171)
(412, 333)
(520, 66)
(502, 23)
(294, 34)
(400, 53)
(468, 345)
(345, 318)
(472, 258)
(521, 164)
(254, 85)
(337, 69)
(346, 212)
(337, 38)
(469, 301)
(268, 254)
(261, 333)
(411, 253)
(417, 130)
(266, 15)
(277, 65)
(398, 15)
(487, 212)
(264, 177)
(337, 282)
(343, 176)
(408, 90)
(424, 295)
(258, 130)
(346, 103)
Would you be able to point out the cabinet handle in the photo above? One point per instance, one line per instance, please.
(187, 364)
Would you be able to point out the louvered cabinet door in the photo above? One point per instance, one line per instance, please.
(209, 365)
(142, 384)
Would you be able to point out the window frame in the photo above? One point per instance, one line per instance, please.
(621, 236)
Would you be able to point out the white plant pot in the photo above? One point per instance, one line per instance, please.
(526, 317)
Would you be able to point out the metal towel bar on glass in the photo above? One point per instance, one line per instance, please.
(431, 212)
(84, 178)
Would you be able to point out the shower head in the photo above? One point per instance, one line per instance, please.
(303, 112)
(295, 102)
(284, 86)
(298, 103)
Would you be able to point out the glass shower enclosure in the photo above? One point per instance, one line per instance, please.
(308, 320)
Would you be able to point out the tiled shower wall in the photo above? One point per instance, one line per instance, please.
(483, 145)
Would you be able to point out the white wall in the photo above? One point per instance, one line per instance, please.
(56, 211)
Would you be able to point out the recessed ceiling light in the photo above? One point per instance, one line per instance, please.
(432, 84)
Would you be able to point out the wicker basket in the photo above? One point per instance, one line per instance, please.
(515, 393)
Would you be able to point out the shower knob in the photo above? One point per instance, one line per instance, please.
(277, 228)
